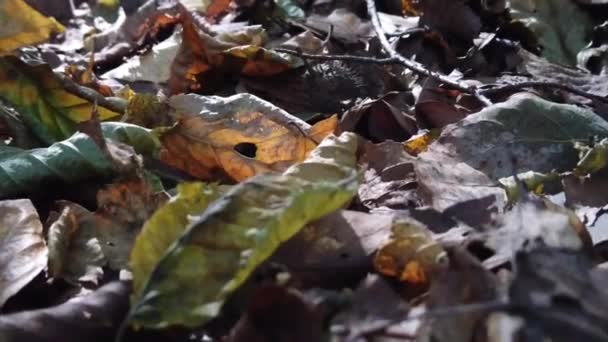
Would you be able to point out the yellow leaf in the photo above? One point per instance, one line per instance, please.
(22, 25)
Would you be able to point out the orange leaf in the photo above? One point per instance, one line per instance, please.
(246, 137)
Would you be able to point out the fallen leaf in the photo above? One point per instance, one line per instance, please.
(49, 110)
(412, 256)
(24, 251)
(464, 282)
(279, 314)
(239, 136)
(94, 318)
(75, 255)
(454, 18)
(239, 231)
(23, 25)
(165, 226)
(560, 27)
(389, 180)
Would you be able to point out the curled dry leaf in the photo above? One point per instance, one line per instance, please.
(412, 256)
(239, 136)
(239, 231)
(23, 250)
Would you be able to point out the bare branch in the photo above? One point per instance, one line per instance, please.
(539, 84)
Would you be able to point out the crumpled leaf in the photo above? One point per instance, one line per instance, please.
(536, 182)
(389, 179)
(74, 255)
(46, 107)
(592, 159)
(238, 136)
(23, 25)
(165, 226)
(24, 252)
(412, 256)
(153, 66)
(561, 27)
(241, 229)
(204, 62)
(542, 70)
(93, 318)
(534, 222)
(567, 294)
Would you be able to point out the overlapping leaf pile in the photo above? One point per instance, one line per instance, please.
(283, 170)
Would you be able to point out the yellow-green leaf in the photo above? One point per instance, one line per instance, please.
(47, 108)
(165, 226)
(21, 25)
(237, 232)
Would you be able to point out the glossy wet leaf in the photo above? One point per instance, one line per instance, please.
(21, 25)
(240, 230)
(23, 252)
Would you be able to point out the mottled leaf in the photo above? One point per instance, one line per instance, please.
(241, 229)
(47, 108)
(239, 136)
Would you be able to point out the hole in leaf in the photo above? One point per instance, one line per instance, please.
(246, 149)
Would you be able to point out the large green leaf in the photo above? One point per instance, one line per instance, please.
(46, 107)
(240, 230)
(561, 27)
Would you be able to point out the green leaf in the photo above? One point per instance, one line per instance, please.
(289, 8)
(237, 232)
(70, 161)
(561, 27)
(165, 226)
(46, 107)
(141, 139)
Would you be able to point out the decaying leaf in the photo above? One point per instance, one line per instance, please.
(75, 254)
(239, 136)
(23, 25)
(525, 133)
(560, 26)
(83, 241)
(412, 255)
(239, 231)
(93, 318)
(23, 250)
(204, 62)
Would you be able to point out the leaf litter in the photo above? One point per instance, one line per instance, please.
(258, 170)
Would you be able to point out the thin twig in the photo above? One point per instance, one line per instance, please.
(347, 58)
(414, 66)
(114, 104)
(542, 84)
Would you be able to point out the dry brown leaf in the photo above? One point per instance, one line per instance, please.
(238, 136)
